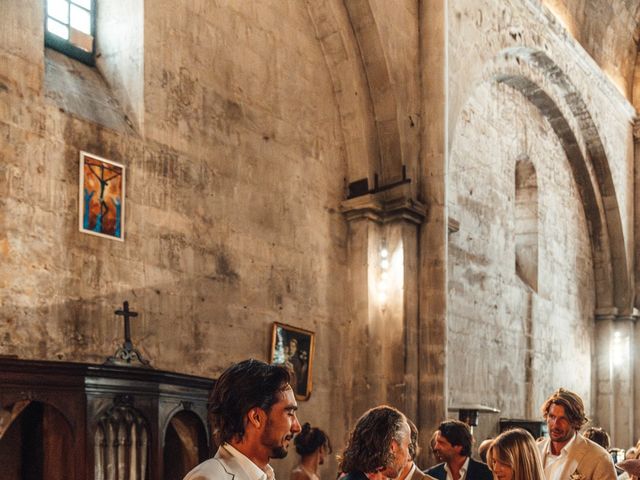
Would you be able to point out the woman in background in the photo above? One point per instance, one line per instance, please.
(599, 436)
(312, 444)
(513, 455)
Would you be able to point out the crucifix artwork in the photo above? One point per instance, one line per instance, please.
(127, 354)
(101, 196)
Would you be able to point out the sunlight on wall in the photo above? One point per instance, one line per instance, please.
(390, 281)
(619, 350)
(562, 15)
(616, 79)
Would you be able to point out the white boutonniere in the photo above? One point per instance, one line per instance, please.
(577, 476)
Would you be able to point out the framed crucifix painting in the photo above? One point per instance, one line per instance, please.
(101, 197)
(293, 347)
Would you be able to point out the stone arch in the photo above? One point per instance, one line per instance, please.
(353, 50)
(543, 83)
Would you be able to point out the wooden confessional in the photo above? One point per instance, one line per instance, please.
(76, 421)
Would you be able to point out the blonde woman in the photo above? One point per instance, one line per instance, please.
(513, 455)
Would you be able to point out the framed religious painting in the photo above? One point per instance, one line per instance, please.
(101, 197)
(294, 348)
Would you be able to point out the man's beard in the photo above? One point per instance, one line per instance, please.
(566, 436)
(394, 469)
(278, 452)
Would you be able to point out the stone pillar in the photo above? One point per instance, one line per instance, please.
(636, 187)
(432, 383)
(603, 374)
(615, 372)
(635, 343)
(383, 253)
(622, 365)
(636, 379)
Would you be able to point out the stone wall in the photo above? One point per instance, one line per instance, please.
(606, 30)
(240, 124)
(484, 33)
(531, 342)
(235, 173)
(514, 345)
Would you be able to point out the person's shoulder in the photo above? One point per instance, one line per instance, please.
(211, 469)
(592, 447)
(353, 476)
(542, 443)
(420, 475)
(477, 464)
(436, 471)
(298, 474)
(439, 466)
(479, 469)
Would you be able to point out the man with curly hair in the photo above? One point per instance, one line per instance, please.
(567, 455)
(378, 446)
(252, 410)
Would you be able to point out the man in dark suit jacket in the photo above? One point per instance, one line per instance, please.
(453, 445)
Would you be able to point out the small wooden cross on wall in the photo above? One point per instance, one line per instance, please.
(126, 313)
(127, 354)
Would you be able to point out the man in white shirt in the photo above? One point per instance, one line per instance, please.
(567, 455)
(253, 413)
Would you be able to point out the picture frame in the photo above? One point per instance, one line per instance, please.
(101, 197)
(294, 347)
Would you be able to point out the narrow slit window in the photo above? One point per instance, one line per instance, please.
(526, 222)
(70, 28)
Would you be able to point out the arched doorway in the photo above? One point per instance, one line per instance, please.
(185, 445)
(32, 436)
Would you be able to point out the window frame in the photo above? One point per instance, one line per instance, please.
(65, 46)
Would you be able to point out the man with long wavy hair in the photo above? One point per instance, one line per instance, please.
(566, 453)
(378, 446)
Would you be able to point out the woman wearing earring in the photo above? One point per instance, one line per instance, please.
(312, 444)
(513, 455)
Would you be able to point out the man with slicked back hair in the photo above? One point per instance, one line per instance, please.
(252, 410)
(453, 442)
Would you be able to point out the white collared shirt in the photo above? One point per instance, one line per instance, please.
(463, 470)
(554, 464)
(250, 469)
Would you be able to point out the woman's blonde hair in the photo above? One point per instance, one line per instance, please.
(517, 449)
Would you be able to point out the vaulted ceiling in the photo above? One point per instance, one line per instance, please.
(609, 30)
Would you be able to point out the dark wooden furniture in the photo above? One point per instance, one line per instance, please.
(537, 428)
(75, 421)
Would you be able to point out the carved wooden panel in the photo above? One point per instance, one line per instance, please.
(72, 421)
